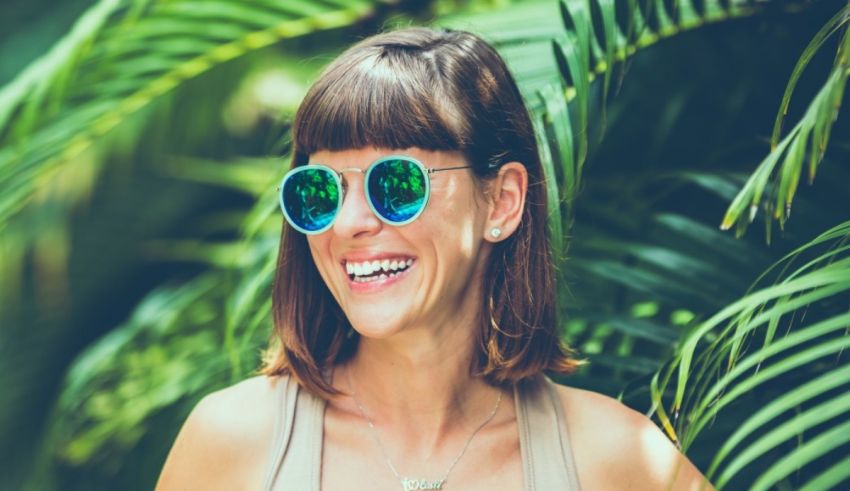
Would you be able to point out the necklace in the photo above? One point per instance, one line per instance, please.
(408, 484)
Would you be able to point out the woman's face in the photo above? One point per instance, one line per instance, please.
(433, 265)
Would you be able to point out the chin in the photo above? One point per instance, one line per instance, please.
(374, 326)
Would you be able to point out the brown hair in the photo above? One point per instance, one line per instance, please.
(435, 90)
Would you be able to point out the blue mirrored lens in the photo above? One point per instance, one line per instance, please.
(398, 189)
(310, 198)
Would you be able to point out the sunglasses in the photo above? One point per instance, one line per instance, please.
(397, 189)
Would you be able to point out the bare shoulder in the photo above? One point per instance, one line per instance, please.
(225, 441)
(616, 447)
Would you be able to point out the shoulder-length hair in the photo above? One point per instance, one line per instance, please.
(435, 90)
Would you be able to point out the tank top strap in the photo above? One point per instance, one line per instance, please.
(298, 433)
(547, 457)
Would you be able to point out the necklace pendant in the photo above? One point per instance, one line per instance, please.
(418, 484)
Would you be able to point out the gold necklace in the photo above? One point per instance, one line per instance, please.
(408, 484)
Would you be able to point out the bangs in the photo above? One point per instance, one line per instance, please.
(379, 100)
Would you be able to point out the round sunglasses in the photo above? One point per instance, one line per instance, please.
(397, 189)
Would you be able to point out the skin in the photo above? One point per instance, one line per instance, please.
(410, 370)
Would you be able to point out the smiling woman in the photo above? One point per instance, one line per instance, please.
(415, 308)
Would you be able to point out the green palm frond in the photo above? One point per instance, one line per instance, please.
(746, 353)
(121, 58)
(774, 183)
(597, 34)
(41, 84)
(168, 352)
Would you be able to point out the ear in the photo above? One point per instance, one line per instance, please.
(507, 201)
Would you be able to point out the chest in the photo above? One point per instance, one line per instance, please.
(492, 461)
(527, 449)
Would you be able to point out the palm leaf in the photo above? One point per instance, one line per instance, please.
(806, 141)
(118, 77)
(804, 348)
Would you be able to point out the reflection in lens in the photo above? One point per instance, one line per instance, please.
(311, 199)
(398, 189)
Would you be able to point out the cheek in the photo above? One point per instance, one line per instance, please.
(456, 228)
(320, 257)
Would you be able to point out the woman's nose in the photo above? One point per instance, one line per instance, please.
(355, 217)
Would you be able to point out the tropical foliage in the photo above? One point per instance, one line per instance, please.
(140, 223)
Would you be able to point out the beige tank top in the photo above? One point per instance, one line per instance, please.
(547, 461)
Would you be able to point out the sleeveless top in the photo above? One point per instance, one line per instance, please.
(547, 460)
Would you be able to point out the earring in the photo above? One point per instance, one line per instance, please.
(495, 232)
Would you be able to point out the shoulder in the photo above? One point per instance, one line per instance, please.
(616, 447)
(225, 440)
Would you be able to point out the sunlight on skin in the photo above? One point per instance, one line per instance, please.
(468, 235)
(663, 463)
(660, 460)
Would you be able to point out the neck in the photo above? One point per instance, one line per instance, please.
(418, 391)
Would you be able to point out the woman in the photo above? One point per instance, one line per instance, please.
(414, 303)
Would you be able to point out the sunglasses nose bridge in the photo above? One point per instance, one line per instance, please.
(342, 179)
(344, 182)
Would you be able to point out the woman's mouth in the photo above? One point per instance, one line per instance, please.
(374, 274)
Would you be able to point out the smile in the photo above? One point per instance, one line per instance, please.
(367, 271)
(376, 270)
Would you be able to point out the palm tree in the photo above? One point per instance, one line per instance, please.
(733, 346)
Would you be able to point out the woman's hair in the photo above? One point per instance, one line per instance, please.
(435, 90)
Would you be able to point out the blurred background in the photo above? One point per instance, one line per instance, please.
(141, 142)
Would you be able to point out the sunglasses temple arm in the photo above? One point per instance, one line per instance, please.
(431, 171)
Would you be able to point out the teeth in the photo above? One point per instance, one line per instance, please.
(366, 268)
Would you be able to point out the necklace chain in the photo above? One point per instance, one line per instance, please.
(413, 484)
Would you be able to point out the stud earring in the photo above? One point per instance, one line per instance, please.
(495, 232)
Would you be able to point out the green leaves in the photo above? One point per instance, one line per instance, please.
(114, 63)
(805, 142)
(810, 351)
(166, 352)
(596, 36)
